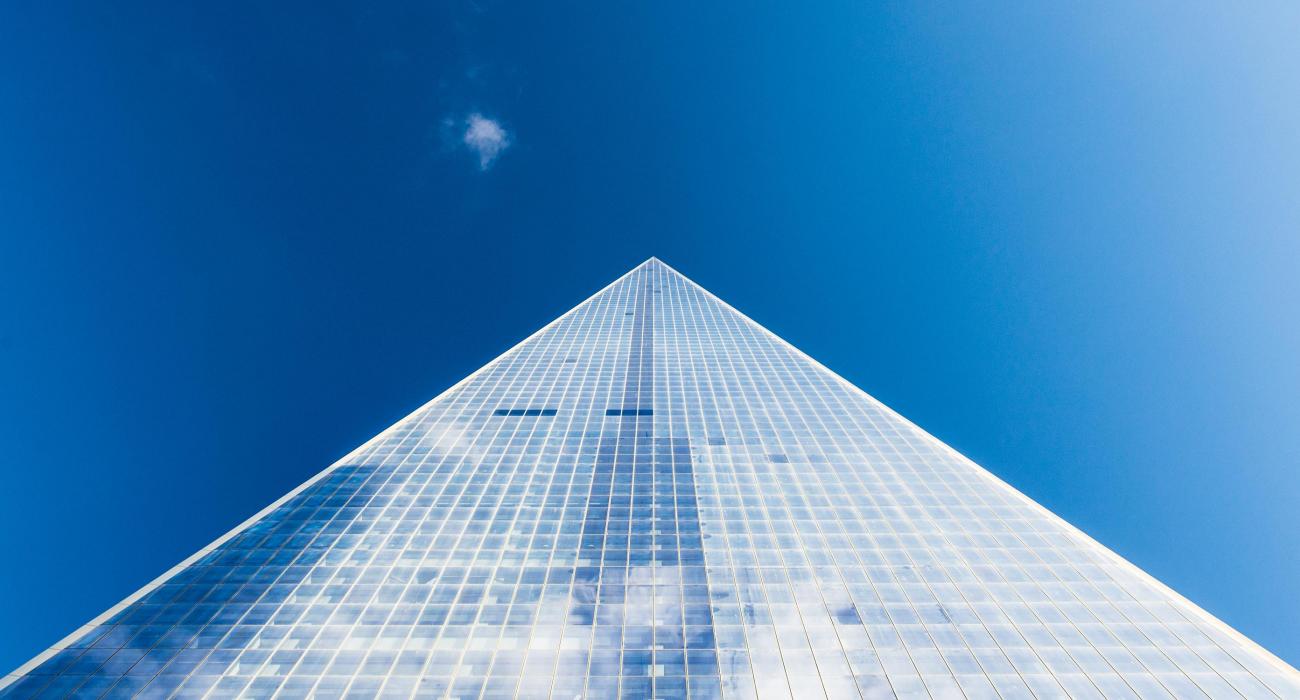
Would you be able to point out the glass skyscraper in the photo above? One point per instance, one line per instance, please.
(654, 497)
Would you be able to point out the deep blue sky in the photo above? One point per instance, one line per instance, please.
(237, 241)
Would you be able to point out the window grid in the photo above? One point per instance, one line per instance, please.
(654, 497)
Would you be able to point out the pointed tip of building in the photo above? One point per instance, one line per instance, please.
(656, 261)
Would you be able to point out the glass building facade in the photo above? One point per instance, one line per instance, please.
(654, 497)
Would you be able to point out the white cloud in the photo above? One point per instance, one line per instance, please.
(486, 138)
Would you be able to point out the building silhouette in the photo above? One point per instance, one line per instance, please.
(655, 497)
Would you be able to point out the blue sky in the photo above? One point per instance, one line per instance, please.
(236, 241)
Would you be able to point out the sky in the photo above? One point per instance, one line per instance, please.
(238, 240)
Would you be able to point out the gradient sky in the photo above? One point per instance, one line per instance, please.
(237, 241)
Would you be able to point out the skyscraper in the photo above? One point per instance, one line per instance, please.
(653, 496)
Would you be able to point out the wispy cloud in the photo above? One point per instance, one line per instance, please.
(486, 138)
